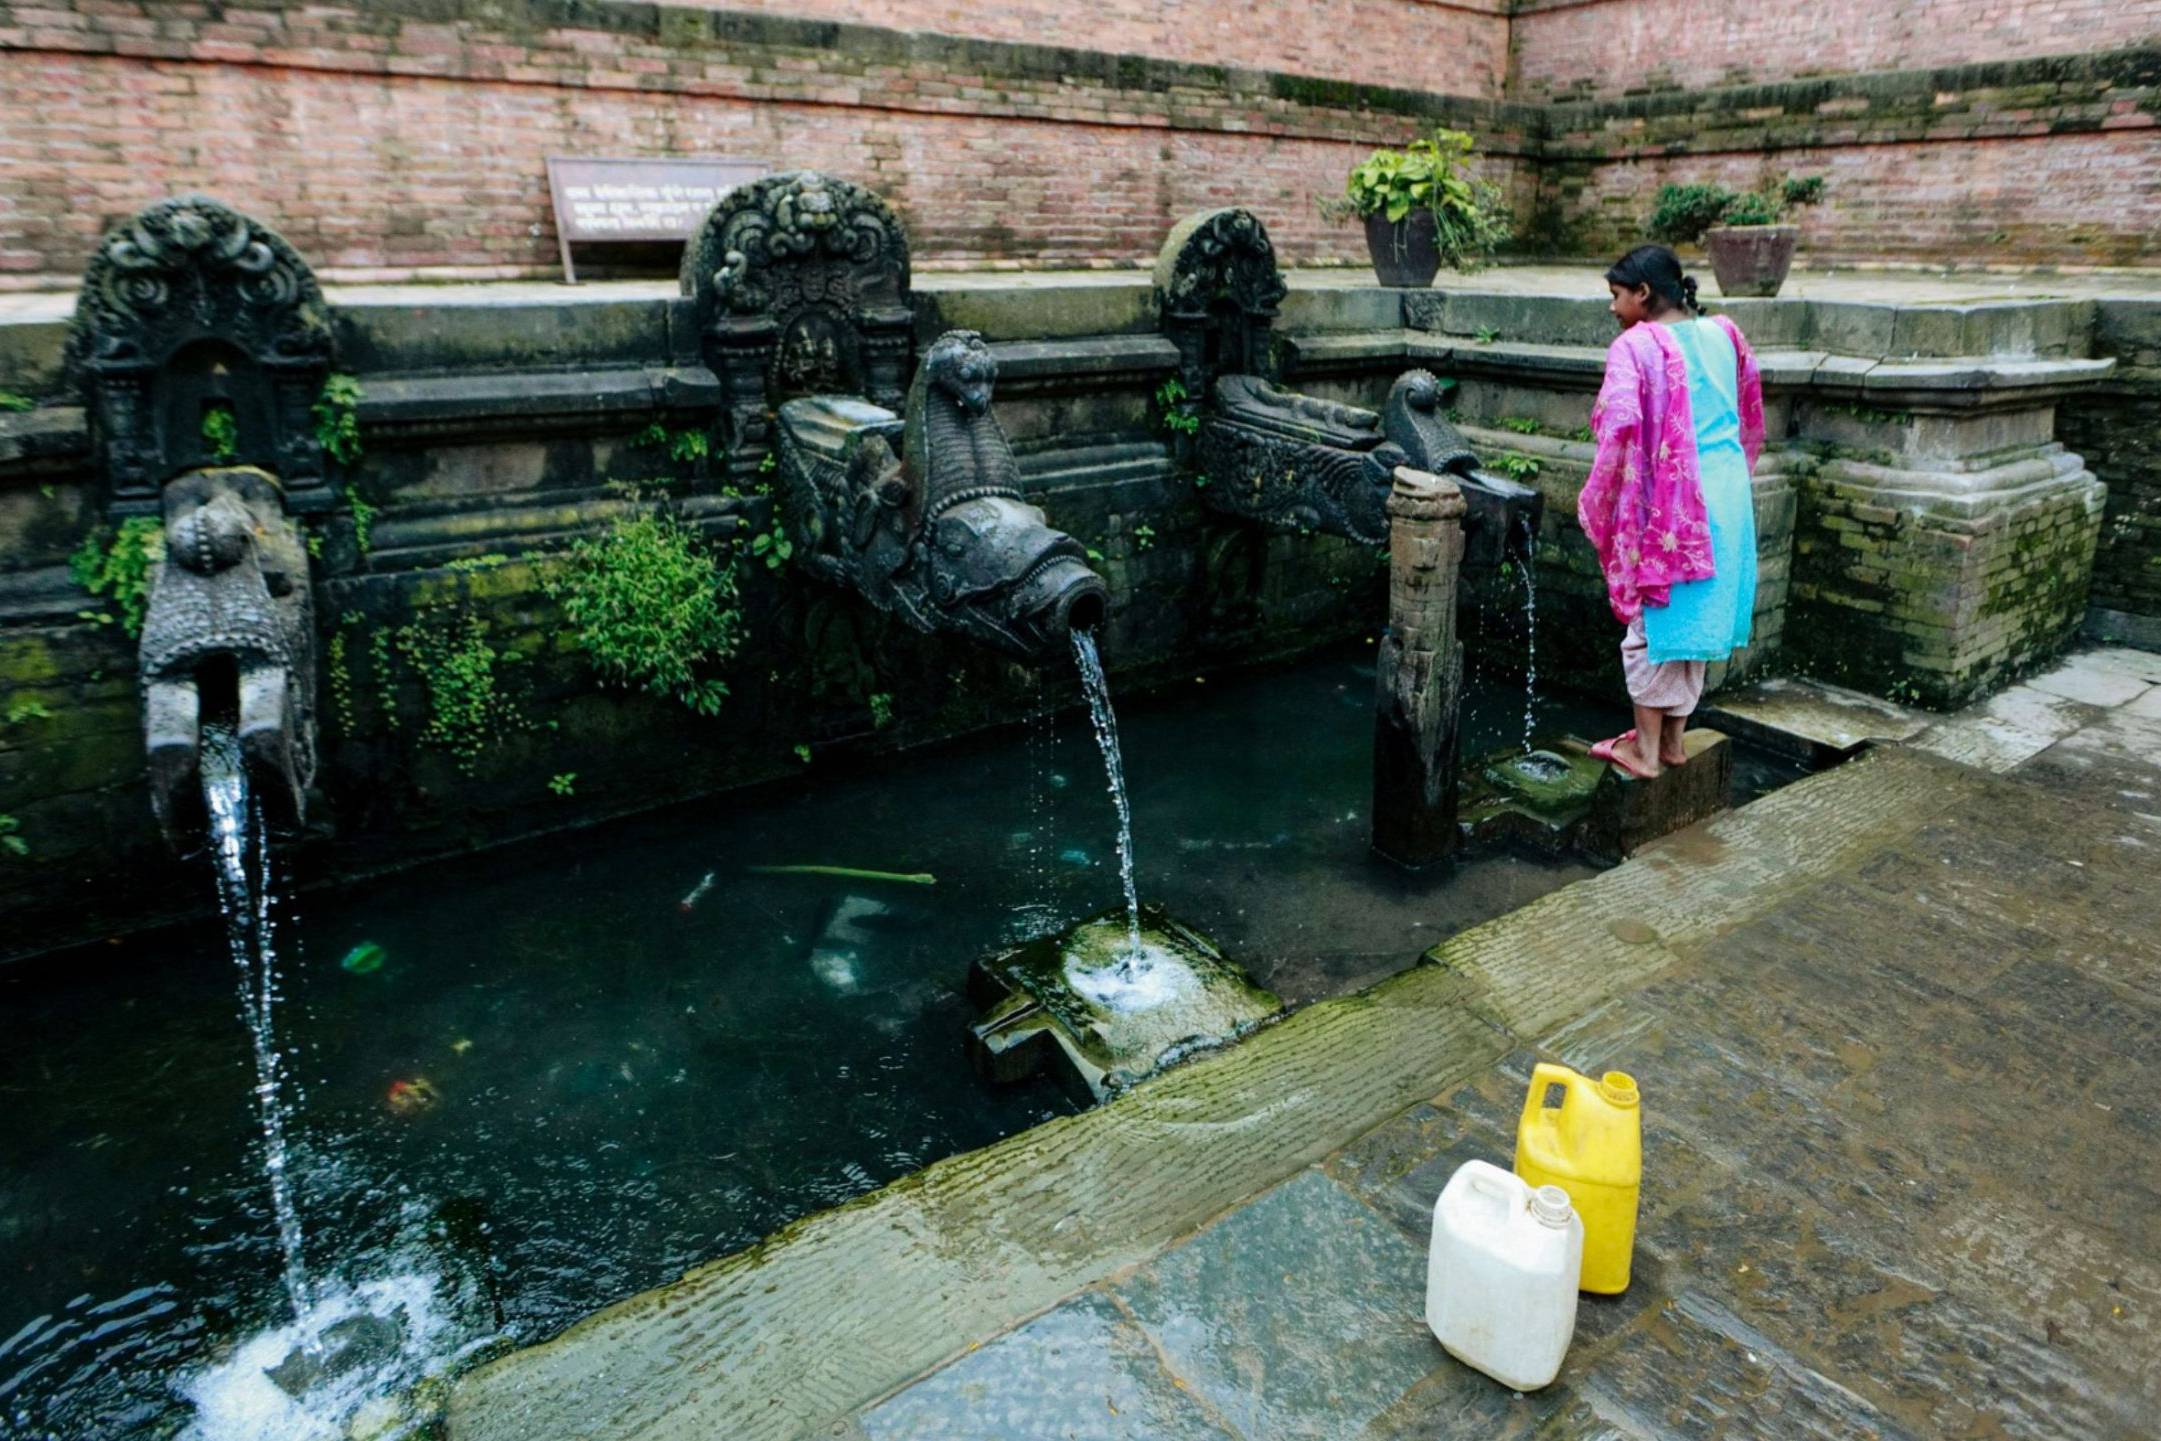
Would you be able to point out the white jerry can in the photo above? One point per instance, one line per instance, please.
(1501, 1277)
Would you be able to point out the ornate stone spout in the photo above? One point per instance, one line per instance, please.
(940, 536)
(200, 342)
(800, 283)
(1297, 462)
(228, 638)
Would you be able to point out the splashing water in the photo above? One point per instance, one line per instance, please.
(1106, 725)
(1530, 634)
(240, 851)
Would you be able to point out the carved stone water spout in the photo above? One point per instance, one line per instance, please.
(200, 342)
(801, 284)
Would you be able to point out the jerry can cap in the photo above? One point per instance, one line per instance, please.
(1550, 1205)
(1619, 1087)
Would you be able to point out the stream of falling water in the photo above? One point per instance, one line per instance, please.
(1106, 726)
(1530, 633)
(240, 851)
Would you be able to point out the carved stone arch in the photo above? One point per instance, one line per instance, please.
(188, 308)
(1218, 291)
(800, 287)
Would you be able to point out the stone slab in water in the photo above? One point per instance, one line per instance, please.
(1059, 1002)
(1628, 814)
(1536, 799)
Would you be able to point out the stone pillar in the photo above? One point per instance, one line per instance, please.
(1420, 679)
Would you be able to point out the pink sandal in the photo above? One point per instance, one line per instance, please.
(1605, 751)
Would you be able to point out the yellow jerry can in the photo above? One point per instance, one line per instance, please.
(1591, 1146)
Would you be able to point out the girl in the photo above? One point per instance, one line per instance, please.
(1669, 507)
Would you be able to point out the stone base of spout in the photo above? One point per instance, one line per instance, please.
(1079, 1006)
(922, 514)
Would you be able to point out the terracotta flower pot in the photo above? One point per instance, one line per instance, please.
(1751, 259)
(1405, 252)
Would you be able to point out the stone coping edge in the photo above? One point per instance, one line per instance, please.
(846, 1306)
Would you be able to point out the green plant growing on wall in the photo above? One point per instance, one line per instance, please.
(652, 607)
(1470, 219)
(1171, 412)
(1144, 536)
(363, 519)
(11, 841)
(9, 400)
(684, 447)
(120, 569)
(337, 419)
(802, 752)
(386, 681)
(1582, 432)
(1516, 467)
(768, 463)
(1485, 335)
(341, 684)
(773, 546)
(221, 433)
(564, 783)
(468, 707)
(881, 710)
(1520, 424)
(27, 710)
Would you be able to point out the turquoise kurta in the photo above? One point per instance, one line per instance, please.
(1709, 619)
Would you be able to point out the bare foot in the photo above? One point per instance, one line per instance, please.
(1673, 753)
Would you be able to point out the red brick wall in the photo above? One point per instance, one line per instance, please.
(383, 144)
(2073, 200)
(1614, 47)
(1461, 45)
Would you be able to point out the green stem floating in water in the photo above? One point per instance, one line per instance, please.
(911, 878)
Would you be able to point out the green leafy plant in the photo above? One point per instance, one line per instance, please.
(468, 706)
(11, 840)
(9, 400)
(1582, 432)
(1681, 214)
(363, 519)
(802, 752)
(564, 783)
(1516, 467)
(653, 608)
(684, 447)
(337, 419)
(120, 569)
(341, 683)
(1144, 536)
(1470, 217)
(773, 546)
(881, 710)
(221, 433)
(1520, 424)
(1171, 398)
(24, 710)
(1485, 335)
(768, 463)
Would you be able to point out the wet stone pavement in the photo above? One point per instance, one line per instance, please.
(1902, 1167)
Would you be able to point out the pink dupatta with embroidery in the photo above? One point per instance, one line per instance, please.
(1642, 508)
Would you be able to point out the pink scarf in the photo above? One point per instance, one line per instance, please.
(1642, 508)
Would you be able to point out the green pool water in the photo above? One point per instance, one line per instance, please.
(547, 1073)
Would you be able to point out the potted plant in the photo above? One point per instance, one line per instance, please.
(1423, 209)
(1746, 234)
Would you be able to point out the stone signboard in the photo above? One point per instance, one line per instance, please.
(613, 200)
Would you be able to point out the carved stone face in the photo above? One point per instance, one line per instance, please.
(809, 358)
(1008, 578)
(962, 371)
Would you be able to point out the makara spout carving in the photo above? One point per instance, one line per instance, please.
(1296, 462)
(940, 534)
